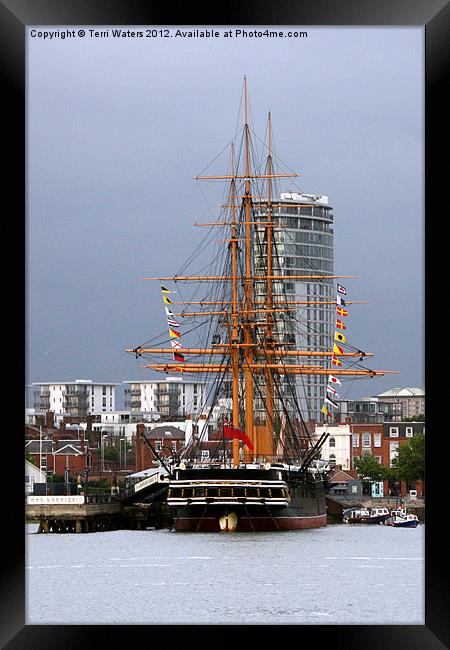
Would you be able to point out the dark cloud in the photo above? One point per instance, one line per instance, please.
(118, 128)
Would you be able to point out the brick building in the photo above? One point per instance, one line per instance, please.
(166, 439)
(383, 441)
(55, 455)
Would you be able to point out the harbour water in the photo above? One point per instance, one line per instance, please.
(340, 574)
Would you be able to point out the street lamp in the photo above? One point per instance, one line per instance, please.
(105, 435)
(86, 474)
(66, 476)
(120, 452)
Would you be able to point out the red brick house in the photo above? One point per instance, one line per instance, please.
(54, 456)
(382, 441)
(167, 440)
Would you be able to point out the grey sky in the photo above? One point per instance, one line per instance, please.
(116, 130)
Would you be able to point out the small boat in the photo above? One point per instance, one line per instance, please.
(408, 521)
(400, 519)
(376, 516)
(354, 515)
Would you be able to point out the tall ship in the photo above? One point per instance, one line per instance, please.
(251, 461)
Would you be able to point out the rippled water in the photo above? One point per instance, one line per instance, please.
(334, 575)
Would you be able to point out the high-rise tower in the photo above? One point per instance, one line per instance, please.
(303, 245)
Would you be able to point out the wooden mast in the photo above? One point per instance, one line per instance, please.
(234, 317)
(269, 405)
(248, 290)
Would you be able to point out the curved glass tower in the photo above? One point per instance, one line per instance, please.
(303, 245)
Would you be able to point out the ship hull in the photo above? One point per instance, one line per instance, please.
(279, 505)
(190, 522)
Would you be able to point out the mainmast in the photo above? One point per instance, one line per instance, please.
(248, 290)
(269, 405)
(234, 315)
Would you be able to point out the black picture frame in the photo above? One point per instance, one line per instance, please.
(15, 16)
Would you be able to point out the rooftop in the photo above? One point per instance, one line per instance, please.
(76, 382)
(403, 392)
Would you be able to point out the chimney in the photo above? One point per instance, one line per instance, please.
(49, 420)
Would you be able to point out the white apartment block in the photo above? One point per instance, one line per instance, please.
(171, 397)
(410, 401)
(336, 449)
(77, 398)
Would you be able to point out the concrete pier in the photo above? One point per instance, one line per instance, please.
(74, 515)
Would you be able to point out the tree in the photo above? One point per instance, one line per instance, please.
(111, 454)
(368, 467)
(420, 417)
(30, 458)
(409, 465)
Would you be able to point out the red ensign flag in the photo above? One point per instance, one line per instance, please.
(230, 432)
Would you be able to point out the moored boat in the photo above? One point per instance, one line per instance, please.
(407, 521)
(354, 515)
(376, 516)
(401, 519)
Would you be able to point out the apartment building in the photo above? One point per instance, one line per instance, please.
(409, 402)
(168, 398)
(77, 398)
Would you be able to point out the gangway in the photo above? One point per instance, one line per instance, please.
(151, 488)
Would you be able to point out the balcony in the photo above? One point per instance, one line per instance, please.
(134, 392)
(42, 404)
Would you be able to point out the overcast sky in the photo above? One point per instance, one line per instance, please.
(118, 127)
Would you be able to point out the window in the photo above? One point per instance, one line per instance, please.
(409, 432)
(332, 442)
(378, 459)
(393, 451)
(377, 439)
(174, 446)
(393, 432)
(205, 454)
(366, 439)
(355, 439)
